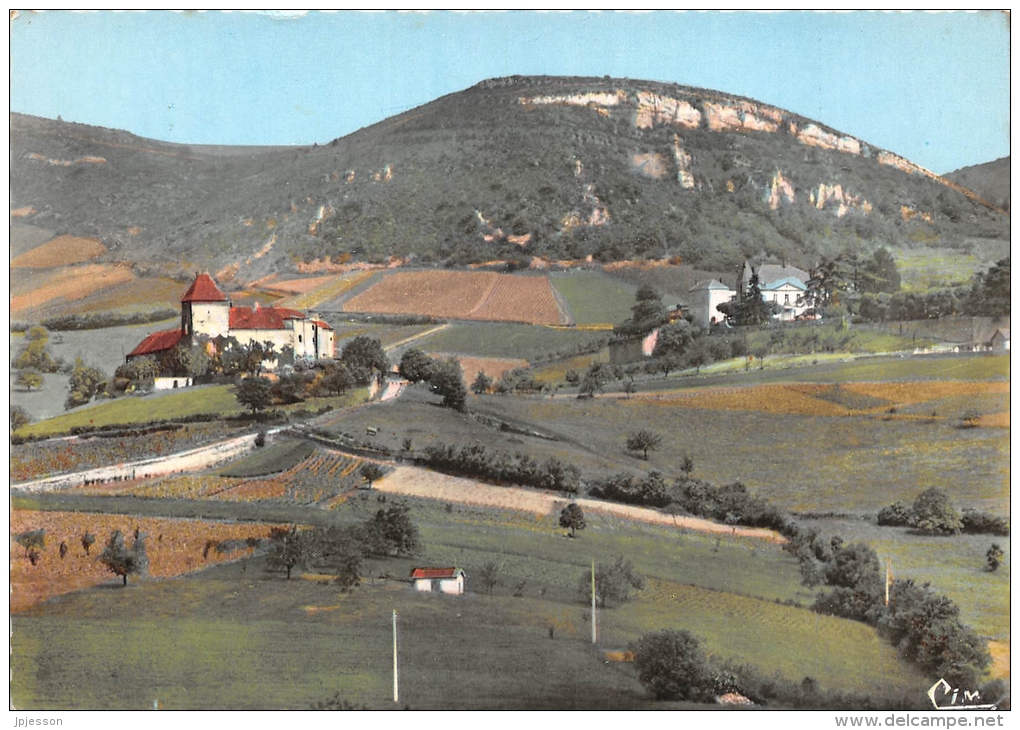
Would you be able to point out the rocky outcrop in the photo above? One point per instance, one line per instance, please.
(67, 163)
(655, 109)
(814, 136)
(907, 213)
(781, 189)
(649, 164)
(842, 199)
(683, 164)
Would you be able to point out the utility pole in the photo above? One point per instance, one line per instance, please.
(396, 694)
(594, 633)
(888, 580)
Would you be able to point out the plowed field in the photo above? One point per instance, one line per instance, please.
(173, 546)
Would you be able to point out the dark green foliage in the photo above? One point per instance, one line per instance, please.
(488, 576)
(101, 320)
(895, 515)
(976, 522)
(934, 514)
(481, 384)
(572, 518)
(649, 491)
(926, 628)
(121, 561)
(365, 353)
(31, 540)
(19, 418)
(990, 294)
(255, 393)
(477, 462)
(447, 380)
(672, 666)
(86, 383)
(647, 313)
(336, 702)
(391, 532)
(644, 441)
(290, 549)
(416, 366)
(613, 583)
(370, 471)
(855, 574)
(139, 368)
(598, 376)
(337, 378)
(733, 504)
(674, 339)
(993, 558)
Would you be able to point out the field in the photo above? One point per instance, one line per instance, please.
(205, 641)
(60, 251)
(483, 339)
(477, 295)
(174, 547)
(41, 293)
(494, 367)
(593, 297)
(326, 291)
(168, 405)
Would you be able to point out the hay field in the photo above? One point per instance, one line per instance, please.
(479, 295)
(60, 251)
(65, 285)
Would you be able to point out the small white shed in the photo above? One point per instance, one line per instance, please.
(439, 580)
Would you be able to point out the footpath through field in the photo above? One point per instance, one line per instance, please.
(414, 481)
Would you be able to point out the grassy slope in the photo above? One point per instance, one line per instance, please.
(218, 399)
(272, 459)
(593, 297)
(508, 340)
(234, 637)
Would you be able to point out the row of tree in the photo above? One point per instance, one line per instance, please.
(933, 513)
(445, 377)
(477, 462)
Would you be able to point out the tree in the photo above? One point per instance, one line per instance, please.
(19, 418)
(255, 393)
(87, 540)
(644, 441)
(32, 540)
(572, 518)
(647, 313)
(365, 352)
(139, 368)
(371, 471)
(86, 383)
(123, 562)
(687, 465)
(598, 376)
(416, 366)
(37, 333)
(347, 567)
(488, 576)
(481, 384)
(391, 532)
(672, 666)
(290, 549)
(337, 378)
(674, 339)
(35, 356)
(29, 379)
(880, 273)
(993, 558)
(448, 381)
(612, 583)
(934, 514)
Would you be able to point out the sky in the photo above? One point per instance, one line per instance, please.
(933, 87)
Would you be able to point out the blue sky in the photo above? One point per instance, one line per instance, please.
(933, 87)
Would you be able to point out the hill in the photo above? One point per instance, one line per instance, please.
(510, 169)
(989, 180)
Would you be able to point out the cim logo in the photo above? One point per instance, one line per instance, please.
(957, 699)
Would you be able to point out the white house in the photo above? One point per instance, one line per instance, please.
(780, 283)
(205, 310)
(1000, 340)
(439, 580)
(704, 298)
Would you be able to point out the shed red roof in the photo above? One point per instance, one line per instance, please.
(262, 318)
(322, 325)
(429, 573)
(203, 289)
(157, 342)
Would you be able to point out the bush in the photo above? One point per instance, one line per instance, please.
(672, 666)
(934, 514)
(895, 515)
(976, 522)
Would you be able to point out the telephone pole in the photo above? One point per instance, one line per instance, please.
(396, 693)
(593, 629)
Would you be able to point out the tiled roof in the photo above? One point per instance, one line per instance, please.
(157, 342)
(261, 318)
(789, 280)
(768, 273)
(430, 573)
(203, 289)
(320, 324)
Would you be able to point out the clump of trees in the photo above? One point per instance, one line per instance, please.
(19, 418)
(933, 513)
(342, 549)
(649, 491)
(647, 313)
(477, 462)
(445, 378)
(644, 441)
(672, 665)
(86, 383)
(614, 583)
